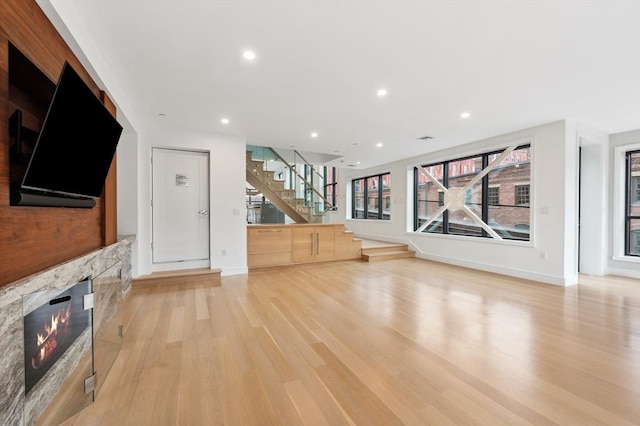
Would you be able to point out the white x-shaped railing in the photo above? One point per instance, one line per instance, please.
(454, 197)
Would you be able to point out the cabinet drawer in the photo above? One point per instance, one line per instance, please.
(268, 259)
(268, 240)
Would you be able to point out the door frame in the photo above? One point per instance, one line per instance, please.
(185, 264)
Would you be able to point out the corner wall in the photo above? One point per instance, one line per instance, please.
(554, 190)
(227, 192)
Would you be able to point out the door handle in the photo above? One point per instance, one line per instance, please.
(204, 212)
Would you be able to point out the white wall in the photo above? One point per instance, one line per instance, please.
(618, 264)
(227, 192)
(554, 190)
(127, 178)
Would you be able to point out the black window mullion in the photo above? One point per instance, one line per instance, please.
(627, 203)
(485, 194)
(380, 206)
(416, 197)
(445, 183)
(366, 198)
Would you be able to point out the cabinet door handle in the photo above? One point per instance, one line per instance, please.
(270, 230)
(311, 243)
(317, 243)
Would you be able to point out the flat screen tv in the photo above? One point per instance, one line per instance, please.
(76, 145)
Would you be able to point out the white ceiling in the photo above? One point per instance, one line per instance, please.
(511, 64)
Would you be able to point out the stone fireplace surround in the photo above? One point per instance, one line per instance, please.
(13, 407)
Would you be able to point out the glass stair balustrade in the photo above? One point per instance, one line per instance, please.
(294, 186)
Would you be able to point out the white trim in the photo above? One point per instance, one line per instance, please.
(630, 259)
(543, 278)
(234, 271)
(472, 239)
(628, 273)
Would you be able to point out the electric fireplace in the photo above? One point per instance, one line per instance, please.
(52, 328)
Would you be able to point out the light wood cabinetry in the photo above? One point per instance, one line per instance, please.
(279, 245)
(312, 244)
(268, 246)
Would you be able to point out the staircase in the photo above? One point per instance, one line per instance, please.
(274, 189)
(375, 251)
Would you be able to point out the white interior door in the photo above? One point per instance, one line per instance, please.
(180, 205)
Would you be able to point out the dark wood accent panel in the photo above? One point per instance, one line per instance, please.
(110, 207)
(4, 120)
(35, 238)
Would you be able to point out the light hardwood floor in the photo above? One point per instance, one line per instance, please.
(399, 342)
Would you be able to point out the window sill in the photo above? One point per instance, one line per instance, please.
(471, 239)
(629, 259)
(370, 220)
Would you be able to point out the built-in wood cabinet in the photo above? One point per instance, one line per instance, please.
(268, 246)
(312, 244)
(279, 245)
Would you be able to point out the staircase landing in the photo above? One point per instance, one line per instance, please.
(374, 251)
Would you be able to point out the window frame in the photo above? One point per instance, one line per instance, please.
(517, 197)
(493, 200)
(378, 196)
(484, 194)
(630, 202)
(333, 184)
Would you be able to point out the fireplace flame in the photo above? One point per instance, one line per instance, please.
(47, 342)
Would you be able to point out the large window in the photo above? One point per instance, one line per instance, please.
(331, 185)
(486, 195)
(632, 210)
(371, 197)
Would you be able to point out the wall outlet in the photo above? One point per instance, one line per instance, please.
(224, 252)
(543, 255)
(236, 212)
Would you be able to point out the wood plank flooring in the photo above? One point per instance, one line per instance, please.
(352, 343)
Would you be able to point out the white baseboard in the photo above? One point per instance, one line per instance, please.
(234, 271)
(627, 273)
(543, 278)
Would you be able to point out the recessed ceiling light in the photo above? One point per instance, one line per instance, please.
(224, 120)
(357, 162)
(314, 135)
(249, 55)
(382, 93)
(465, 115)
(379, 144)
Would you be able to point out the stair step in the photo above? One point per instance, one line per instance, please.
(386, 248)
(388, 255)
(186, 276)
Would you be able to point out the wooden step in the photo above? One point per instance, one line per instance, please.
(387, 255)
(186, 276)
(374, 251)
(387, 247)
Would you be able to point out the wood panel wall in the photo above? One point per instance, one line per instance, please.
(35, 238)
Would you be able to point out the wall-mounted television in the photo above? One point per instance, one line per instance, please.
(75, 146)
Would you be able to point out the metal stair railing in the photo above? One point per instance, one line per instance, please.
(276, 163)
